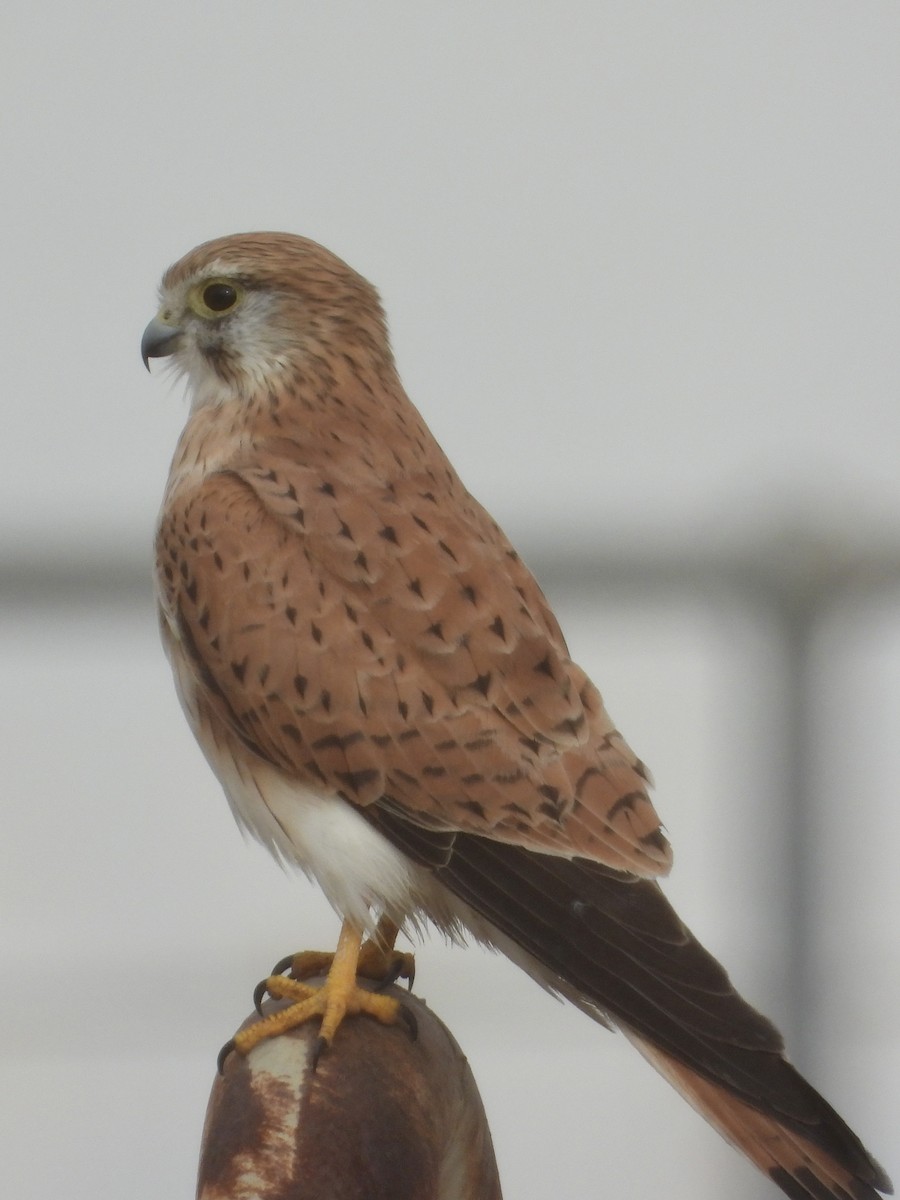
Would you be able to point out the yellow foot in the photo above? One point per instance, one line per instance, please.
(379, 963)
(338, 997)
(378, 960)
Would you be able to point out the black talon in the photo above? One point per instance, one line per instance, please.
(390, 977)
(282, 965)
(393, 974)
(227, 1049)
(317, 1051)
(411, 1023)
(259, 993)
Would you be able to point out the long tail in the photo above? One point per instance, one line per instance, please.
(800, 1167)
(613, 945)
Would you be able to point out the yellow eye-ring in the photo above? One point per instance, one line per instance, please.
(219, 296)
(216, 297)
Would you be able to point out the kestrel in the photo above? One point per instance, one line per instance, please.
(388, 702)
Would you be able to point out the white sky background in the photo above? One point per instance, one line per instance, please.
(639, 260)
(641, 267)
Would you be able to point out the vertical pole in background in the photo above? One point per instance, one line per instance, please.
(796, 612)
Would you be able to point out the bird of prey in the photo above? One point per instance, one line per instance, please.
(388, 702)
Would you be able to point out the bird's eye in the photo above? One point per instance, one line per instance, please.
(219, 297)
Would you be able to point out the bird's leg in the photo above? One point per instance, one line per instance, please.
(378, 959)
(337, 997)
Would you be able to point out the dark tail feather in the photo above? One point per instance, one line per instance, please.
(614, 945)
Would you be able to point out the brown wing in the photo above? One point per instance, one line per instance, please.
(377, 643)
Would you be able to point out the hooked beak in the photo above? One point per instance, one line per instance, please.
(159, 340)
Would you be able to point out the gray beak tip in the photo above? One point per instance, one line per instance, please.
(159, 341)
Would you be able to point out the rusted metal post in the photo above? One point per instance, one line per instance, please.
(383, 1116)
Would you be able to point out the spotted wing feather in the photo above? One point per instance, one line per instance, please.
(367, 642)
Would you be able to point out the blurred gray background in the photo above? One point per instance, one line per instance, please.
(640, 263)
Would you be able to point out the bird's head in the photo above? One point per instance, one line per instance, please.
(239, 312)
